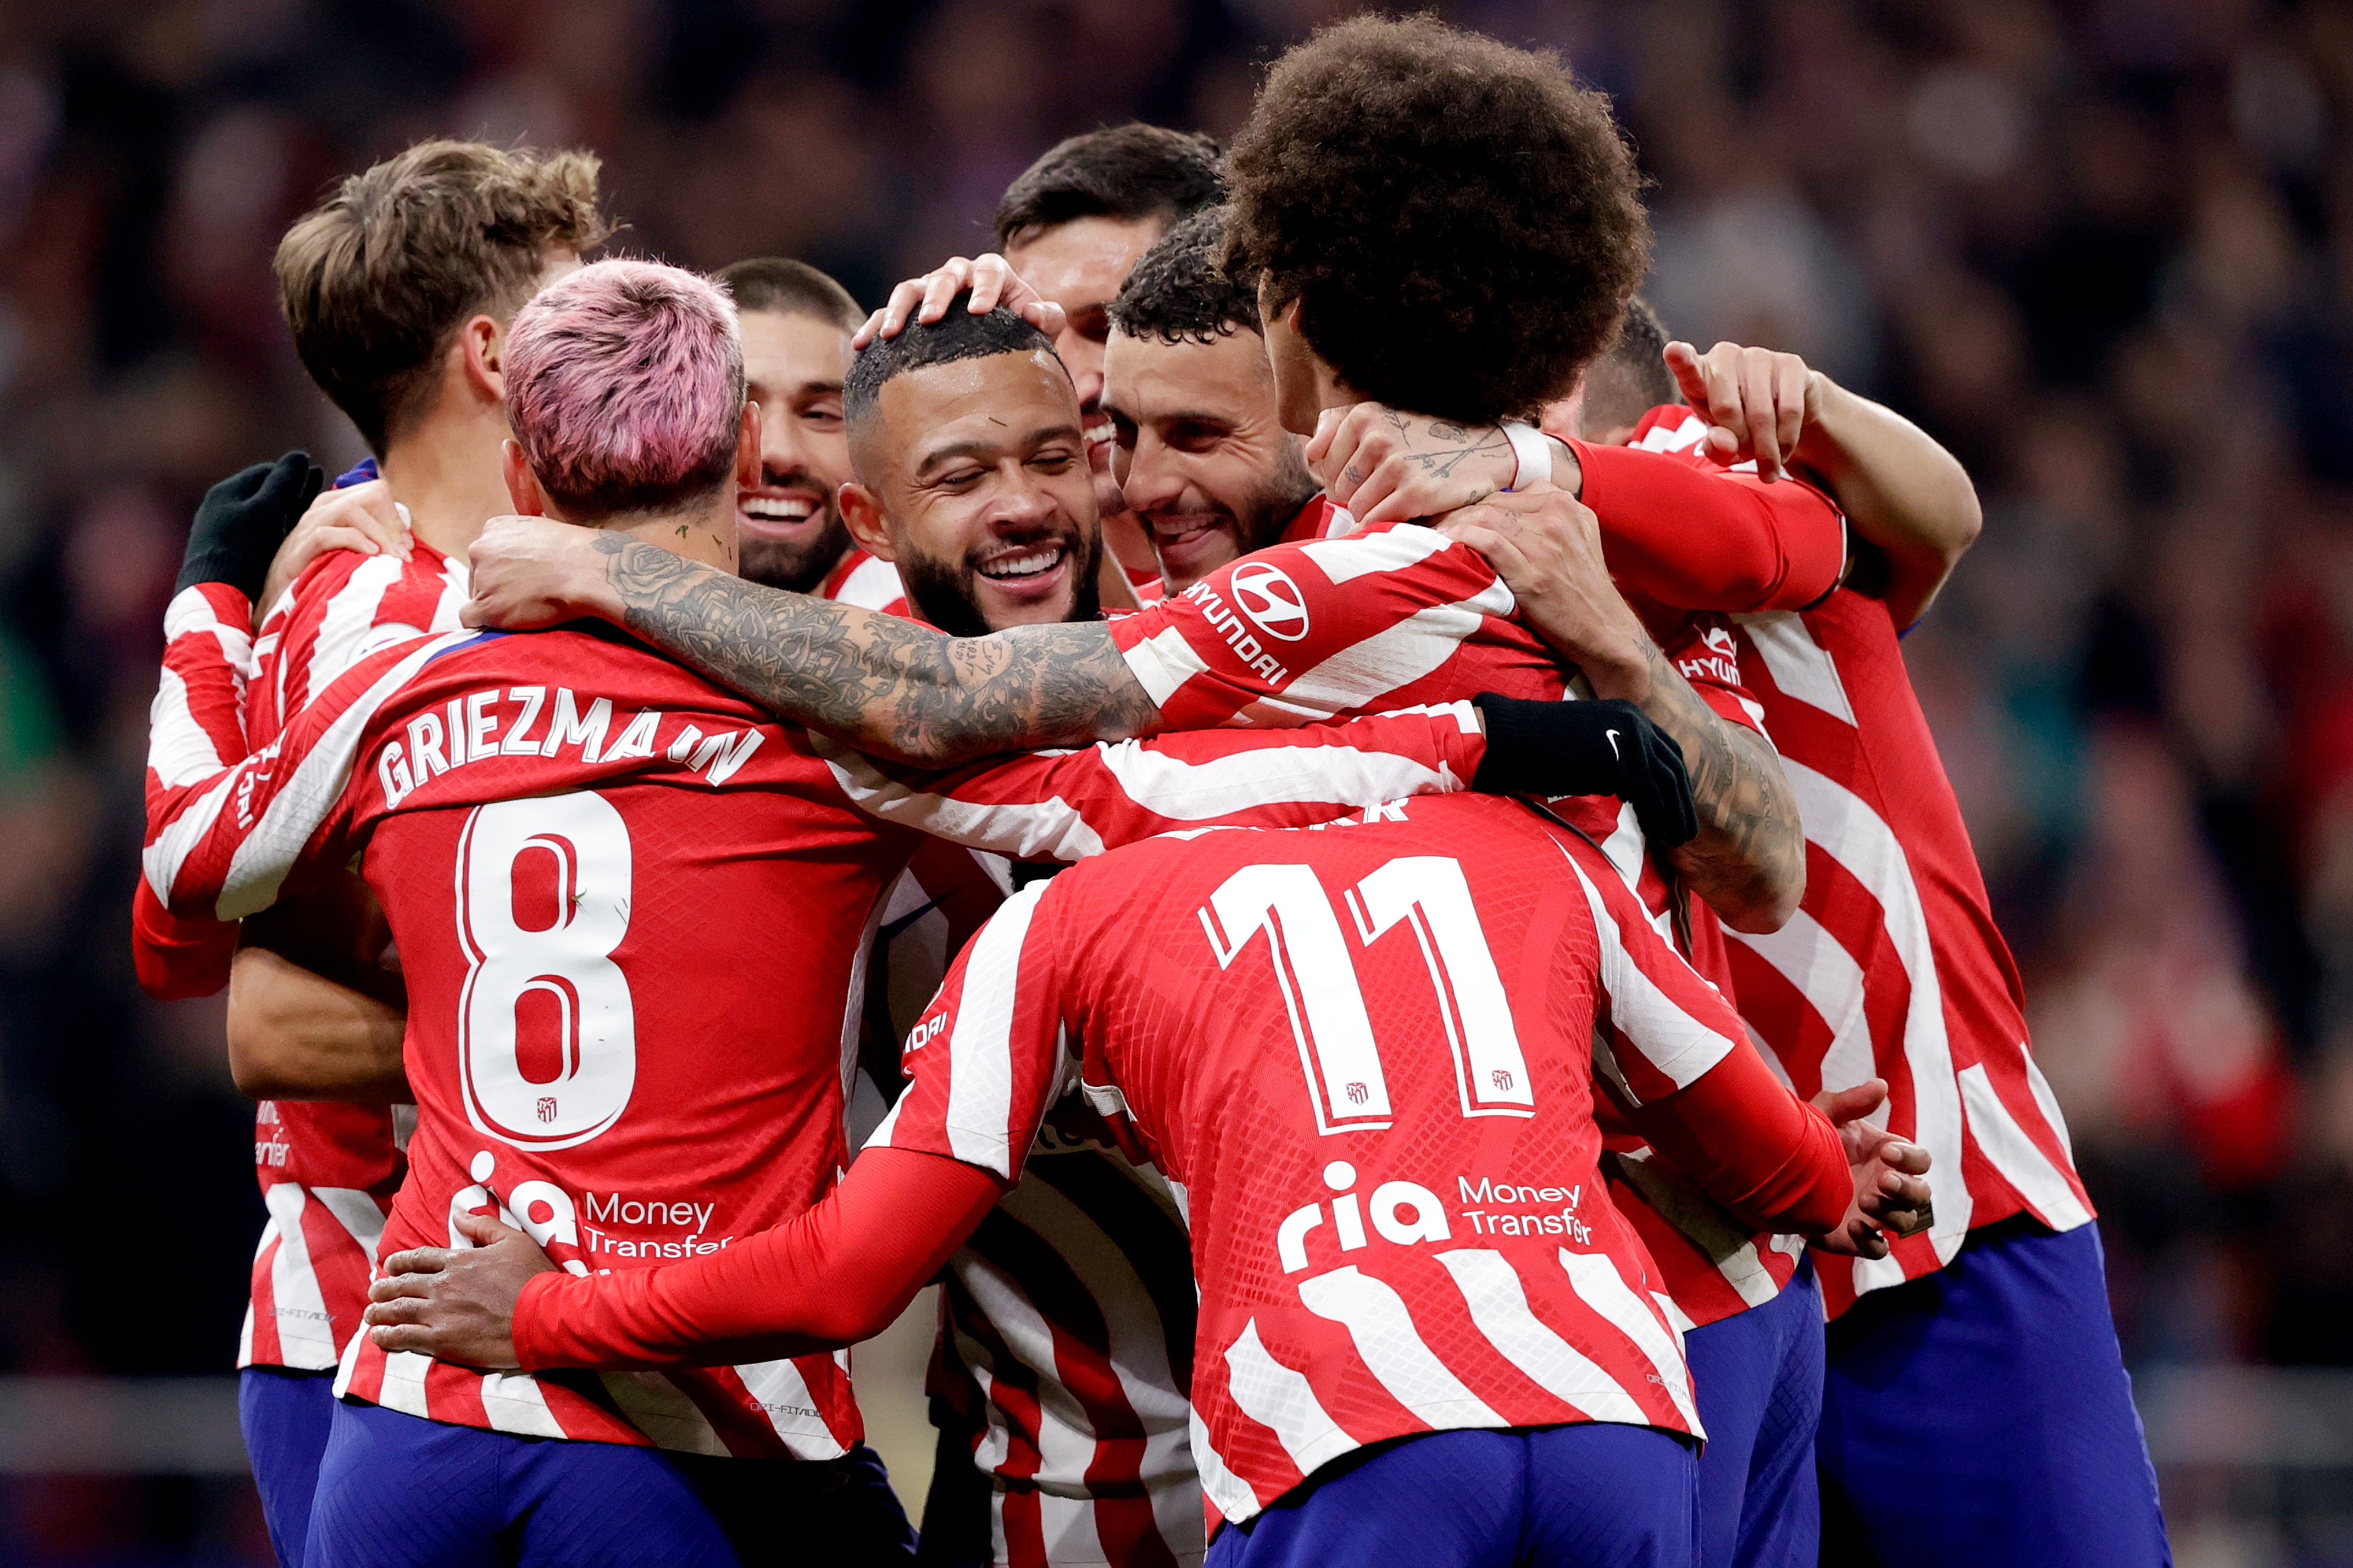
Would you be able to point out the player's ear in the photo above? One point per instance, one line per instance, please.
(747, 448)
(482, 352)
(522, 484)
(863, 515)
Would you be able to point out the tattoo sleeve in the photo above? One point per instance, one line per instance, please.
(885, 685)
(1749, 859)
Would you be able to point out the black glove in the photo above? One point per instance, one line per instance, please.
(1590, 748)
(245, 518)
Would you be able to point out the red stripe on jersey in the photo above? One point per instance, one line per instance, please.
(1893, 966)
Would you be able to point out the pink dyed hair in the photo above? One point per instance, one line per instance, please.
(625, 383)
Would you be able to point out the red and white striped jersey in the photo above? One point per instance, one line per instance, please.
(328, 1171)
(1303, 632)
(865, 579)
(1378, 1124)
(599, 769)
(1893, 966)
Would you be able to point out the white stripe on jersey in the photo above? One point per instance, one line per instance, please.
(1598, 1283)
(1344, 558)
(304, 1332)
(2013, 1154)
(1066, 1438)
(265, 856)
(1025, 830)
(1393, 1349)
(1670, 1039)
(1800, 665)
(785, 1399)
(350, 617)
(1499, 1306)
(660, 1409)
(358, 1213)
(980, 1091)
(1361, 674)
(179, 749)
(1826, 975)
(1839, 824)
(1280, 1400)
(872, 585)
(1196, 792)
(513, 1404)
(190, 611)
(1163, 662)
(1232, 1494)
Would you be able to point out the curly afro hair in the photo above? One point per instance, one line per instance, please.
(1460, 223)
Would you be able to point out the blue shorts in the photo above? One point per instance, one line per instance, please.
(396, 1489)
(1981, 1414)
(1758, 1380)
(1591, 1495)
(284, 1415)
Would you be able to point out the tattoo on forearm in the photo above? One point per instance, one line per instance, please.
(1750, 841)
(884, 684)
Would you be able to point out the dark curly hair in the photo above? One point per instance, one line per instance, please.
(1180, 291)
(1460, 223)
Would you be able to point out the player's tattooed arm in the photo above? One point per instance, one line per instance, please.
(1748, 861)
(1385, 464)
(884, 684)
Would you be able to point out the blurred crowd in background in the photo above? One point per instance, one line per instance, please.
(2103, 250)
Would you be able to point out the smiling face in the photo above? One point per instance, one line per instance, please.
(1080, 265)
(790, 529)
(1201, 455)
(972, 478)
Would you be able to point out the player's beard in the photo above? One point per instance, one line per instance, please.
(943, 593)
(1262, 519)
(797, 567)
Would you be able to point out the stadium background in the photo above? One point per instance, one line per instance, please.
(2103, 249)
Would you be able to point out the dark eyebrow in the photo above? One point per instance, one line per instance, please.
(986, 451)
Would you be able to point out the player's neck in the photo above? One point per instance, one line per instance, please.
(446, 473)
(705, 532)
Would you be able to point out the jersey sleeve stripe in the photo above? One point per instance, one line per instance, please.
(2012, 1153)
(1670, 1039)
(1597, 1284)
(180, 749)
(979, 1113)
(1499, 1307)
(264, 857)
(1050, 830)
(1393, 1349)
(1360, 676)
(1344, 558)
(350, 617)
(1282, 1400)
(1201, 792)
(1163, 663)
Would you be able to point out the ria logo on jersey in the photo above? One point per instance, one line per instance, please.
(1408, 1214)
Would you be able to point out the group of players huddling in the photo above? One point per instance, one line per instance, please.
(1430, 1122)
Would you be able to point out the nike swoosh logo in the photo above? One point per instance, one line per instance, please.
(1612, 735)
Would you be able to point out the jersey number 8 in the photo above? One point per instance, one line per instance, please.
(552, 984)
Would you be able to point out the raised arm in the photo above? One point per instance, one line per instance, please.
(886, 685)
(1905, 495)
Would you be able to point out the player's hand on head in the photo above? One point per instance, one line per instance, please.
(530, 572)
(455, 1303)
(1385, 464)
(1756, 402)
(243, 520)
(363, 518)
(1890, 1195)
(993, 283)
